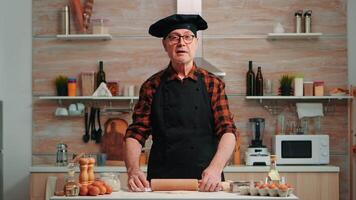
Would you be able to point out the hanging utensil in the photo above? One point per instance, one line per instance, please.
(86, 136)
(92, 124)
(99, 131)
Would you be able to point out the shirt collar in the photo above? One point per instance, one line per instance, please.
(173, 75)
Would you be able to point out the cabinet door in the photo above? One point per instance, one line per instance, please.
(38, 184)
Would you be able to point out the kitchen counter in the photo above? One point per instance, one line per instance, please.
(232, 169)
(176, 195)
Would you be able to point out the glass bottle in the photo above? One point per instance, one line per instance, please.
(71, 188)
(259, 83)
(100, 77)
(250, 80)
(273, 175)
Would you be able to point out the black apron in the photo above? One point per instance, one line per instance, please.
(183, 135)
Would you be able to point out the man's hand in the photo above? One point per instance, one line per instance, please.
(211, 180)
(137, 181)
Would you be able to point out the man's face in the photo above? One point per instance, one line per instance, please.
(180, 45)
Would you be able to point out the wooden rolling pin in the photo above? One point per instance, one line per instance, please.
(174, 184)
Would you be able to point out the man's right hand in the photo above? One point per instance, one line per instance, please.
(137, 181)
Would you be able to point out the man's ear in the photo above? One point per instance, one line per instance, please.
(164, 44)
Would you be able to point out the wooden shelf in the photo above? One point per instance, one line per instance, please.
(299, 97)
(87, 98)
(85, 37)
(294, 35)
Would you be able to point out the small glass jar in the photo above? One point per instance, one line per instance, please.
(113, 86)
(72, 87)
(318, 88)
(308, 88)
(100, 26)
(71, 188)
(112, 180)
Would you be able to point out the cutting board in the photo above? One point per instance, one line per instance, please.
(113, 139)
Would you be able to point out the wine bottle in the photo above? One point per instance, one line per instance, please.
(250, 80)
(259, 83)
(100, 77)
(273, 175)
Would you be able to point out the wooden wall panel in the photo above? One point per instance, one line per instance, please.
(237, 33)
(127, 18)
(125, 60)
(248, 17)
(323, 59)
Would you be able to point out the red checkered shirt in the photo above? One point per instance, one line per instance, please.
(140, 129)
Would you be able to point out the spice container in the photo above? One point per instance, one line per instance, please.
(72, 87)
(113, 86)
(71, 188)
(100, 26)
(308, 88)
(87, 83)
(298, 85)
(318, 88)
(298, 21)
(307, 21)
(65, 20)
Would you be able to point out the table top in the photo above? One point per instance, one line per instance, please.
(228, 169)
(174, 195)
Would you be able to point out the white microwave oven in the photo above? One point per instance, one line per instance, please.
(301, 149)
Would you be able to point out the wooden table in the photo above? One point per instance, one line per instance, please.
(174, 195)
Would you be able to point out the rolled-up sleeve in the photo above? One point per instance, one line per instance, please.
(222, 116)
(140, 129)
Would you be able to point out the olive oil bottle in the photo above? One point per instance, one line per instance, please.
(273, 175)
(250, 80)
(100, 77)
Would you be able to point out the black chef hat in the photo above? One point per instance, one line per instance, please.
(177, 21)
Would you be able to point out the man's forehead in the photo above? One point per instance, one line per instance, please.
(181, 31)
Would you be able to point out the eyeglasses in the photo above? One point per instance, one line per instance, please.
(174, 39)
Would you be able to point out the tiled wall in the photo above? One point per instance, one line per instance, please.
(237, 33)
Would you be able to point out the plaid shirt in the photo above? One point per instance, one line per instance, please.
(140, 129)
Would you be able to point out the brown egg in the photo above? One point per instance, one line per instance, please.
(108, 189)
(83, 190)
(272, 186)
(283, 187)
(102, 189)
(97, 183)
(94, 191)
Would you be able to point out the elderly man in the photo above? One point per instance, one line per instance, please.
(186, 111)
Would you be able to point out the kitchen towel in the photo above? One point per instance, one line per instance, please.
(102, 91)
(309, 110)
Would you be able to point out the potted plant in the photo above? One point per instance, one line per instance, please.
(61, 85)
(285, 88)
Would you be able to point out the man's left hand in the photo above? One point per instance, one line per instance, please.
(211, 180)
